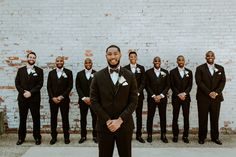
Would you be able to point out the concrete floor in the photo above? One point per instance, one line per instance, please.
(8, 147)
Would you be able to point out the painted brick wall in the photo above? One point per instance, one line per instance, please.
(84, 28)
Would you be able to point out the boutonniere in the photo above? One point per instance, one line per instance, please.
(122, 81)
(34, 72)
(138, 70)
(163, 74)
(91, 75)
(64, 74)
(186, 73)
(216, 70)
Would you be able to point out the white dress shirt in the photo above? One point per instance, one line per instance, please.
(59, 72)
(88, 73)
(157, 71)
(181, 71)
(211, 68)
(114, 75)
(133, 67)
(29, 68)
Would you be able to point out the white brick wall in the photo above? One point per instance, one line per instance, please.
(78, 28)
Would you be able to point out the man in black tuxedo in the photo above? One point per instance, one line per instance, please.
(114, 96)
(83, 81)
(59, 85)
(29, 81)
(181, 81)
(157, 86)
(210, 79)
(139, 72)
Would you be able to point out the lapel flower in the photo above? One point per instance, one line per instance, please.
(138, 70)
(216, 70)
(34, 72)
(163, 74)
(91, 75)
(64, 74)
(122, 81)
(186, 73)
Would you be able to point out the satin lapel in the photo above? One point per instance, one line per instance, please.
(208, 71)
(26, 73)
(178, 74)
(154, 74)
(128, 67)
(107, 78)
(118, 84)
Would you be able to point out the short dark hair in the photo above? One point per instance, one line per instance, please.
(114, 46)
(180, 56)
(209, 52)
(33, 53)
(132, 52)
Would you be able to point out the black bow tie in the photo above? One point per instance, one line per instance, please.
(114, 70)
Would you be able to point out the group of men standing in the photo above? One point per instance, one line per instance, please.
(115, 92)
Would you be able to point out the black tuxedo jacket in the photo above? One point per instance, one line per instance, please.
(140, 78)
(32, 83)
(111, 102)
(207, 83)
(82, 84)
(59, 86)
(179, 84)
(157, 85)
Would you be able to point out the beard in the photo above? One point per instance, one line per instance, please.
(114, 66)
(30, 62)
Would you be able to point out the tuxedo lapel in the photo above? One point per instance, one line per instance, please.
(118, 83)
(154, 74)
(208, 71)
(107, 78)
(178, 74)
(25, 73)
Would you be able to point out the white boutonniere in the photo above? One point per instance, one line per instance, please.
(34, 72)
(163, 74)
(64, 74)
(138, 70)
(217, 71)
(91, 75)
(186, 73)
(122, 81)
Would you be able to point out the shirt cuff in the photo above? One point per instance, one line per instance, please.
(153, 95)
(83, 98)
(162, 96)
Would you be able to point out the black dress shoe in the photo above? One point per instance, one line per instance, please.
(67, 141)
(164, 139)
(217, 141)
(19, 142)
(149, 139)
(95, 140)
(53, 141)
(38, 141)
(175, 139)
(82, 139)
(201, 141)
(185, 139)
(140, 139)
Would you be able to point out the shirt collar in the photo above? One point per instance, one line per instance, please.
(88, 71)
(210, 65)
(133, 65)
(181, 69)
(157, 70)
(29, 66)
(59, 70)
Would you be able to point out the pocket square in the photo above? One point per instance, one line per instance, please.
(125, 84)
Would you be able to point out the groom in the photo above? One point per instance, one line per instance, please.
(114, 97)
